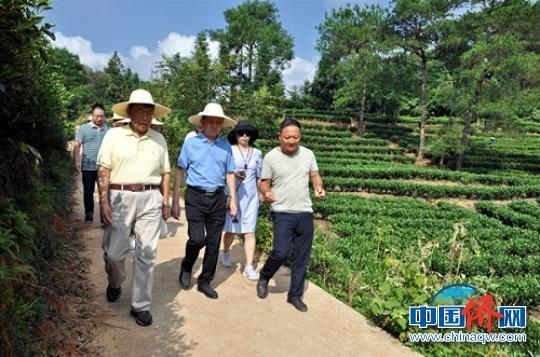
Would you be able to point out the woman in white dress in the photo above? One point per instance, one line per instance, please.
(248, 161)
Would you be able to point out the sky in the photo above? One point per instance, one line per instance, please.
(141, 31)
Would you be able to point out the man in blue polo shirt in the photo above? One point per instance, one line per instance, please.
(90, 136)
(208, 160)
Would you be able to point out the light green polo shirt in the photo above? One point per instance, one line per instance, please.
(290, 175)
(133, 159)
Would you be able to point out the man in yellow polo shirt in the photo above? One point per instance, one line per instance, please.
(133, 182)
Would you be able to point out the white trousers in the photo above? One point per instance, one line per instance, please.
(140, 213)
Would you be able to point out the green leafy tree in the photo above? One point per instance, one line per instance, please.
(354, 38)
(496, 76)
(186, 84)
(326, 81)
(254, 47)
(75, 77)
(416, 25)
(120, 82)
(33, 173)
(261, 109)
(448, 143)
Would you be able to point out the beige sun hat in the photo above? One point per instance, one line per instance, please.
(212, 110)
(140, 96)
(115, 118)
(121, 122)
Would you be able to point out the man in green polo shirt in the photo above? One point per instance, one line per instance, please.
(133, 197)
(285, 177)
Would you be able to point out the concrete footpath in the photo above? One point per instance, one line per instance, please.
(186, 323)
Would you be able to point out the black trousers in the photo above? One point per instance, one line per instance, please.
(291, 229)
(89, 179)
(204, 213)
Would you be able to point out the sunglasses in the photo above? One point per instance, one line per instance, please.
(242, 133)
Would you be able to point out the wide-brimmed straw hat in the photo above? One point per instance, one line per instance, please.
(212, 110)
(140, 96)
(125, 121)
(115, 118)
(243, 126)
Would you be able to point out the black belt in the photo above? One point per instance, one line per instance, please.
(204, 192)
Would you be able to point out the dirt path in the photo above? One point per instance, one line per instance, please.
(237, 324)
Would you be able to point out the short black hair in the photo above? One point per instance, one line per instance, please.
(289, 122)
(97, 106)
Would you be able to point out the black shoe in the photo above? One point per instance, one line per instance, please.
(297, 303)
(262, 288)
(113, 294)
(185, 279)
(207, 290)
(89, 217)
(142, 318)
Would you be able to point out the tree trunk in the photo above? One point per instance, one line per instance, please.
(423, 109)
(441, 161)
(360, 128)
(250, 63)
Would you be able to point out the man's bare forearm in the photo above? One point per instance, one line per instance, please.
(77, 152)
(231, 183)
(177, 183)
(164, 187)
(264, 186)
(316, 180)
(103, 184)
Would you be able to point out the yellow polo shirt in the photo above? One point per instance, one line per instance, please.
(133, 159)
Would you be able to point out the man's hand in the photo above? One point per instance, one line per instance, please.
(175, 210)
(165, 212)
(106, 212)
(239, 177)
(269, 197)
(232, 208)
(319, 192)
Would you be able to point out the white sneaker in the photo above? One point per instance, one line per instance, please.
(250, 273)
(226, 260)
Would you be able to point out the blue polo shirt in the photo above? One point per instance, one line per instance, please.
(90, 136)
(206, 163)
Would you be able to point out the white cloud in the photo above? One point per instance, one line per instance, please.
(83, 48)
(143, 61)
(138, 51)
(299, 71)
(185, 45)
(176, 43)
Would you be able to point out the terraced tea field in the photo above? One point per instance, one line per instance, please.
(390, 238)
